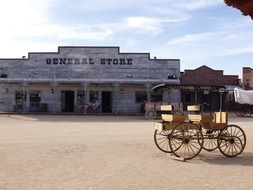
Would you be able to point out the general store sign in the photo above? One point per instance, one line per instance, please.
(90, 61)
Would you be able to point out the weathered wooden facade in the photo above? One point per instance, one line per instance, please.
(84, 80)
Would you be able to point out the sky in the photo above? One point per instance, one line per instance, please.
(198, 32)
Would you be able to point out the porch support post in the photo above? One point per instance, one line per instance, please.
(148, 92)
(115, 97)
(24, 97)
(86, 99)
(53, 92)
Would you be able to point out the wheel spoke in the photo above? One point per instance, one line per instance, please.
(235, 148)
(194, 145)
(232, 141)
(192, 149)
(161, 139)
(190, 138)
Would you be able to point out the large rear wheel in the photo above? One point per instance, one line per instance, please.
(231, 141)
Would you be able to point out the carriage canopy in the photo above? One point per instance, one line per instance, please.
(243, 96)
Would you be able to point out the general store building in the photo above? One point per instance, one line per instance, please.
(85, 80)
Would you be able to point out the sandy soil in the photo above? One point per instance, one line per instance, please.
(108, 152)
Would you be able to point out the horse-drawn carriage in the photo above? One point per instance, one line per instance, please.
(186, 135)
(244, 102)
(153, 109)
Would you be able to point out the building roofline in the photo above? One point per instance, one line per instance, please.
(62, 80)
(115, 47)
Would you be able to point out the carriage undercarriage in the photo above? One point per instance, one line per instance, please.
(185, 139)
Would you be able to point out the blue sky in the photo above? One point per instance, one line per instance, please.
(198, 32)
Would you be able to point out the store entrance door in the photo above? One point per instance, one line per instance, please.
(107, 102)
(67, 100)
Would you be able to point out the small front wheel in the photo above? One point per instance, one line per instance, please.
(150, 114)
(186, 141)
(162, 139)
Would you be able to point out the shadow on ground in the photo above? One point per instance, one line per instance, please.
(245, 159)
(77, 118)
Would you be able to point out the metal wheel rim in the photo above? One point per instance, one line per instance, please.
(210, 140)
(150, 114)
(161, 139)
(231, 141)
(186, 141)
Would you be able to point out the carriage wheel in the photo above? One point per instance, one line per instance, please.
(162, 139)
(231, 141)
(245, 113)
(186, 141)
(238, 113)
(210, 139)
(245, 110)
(150, 114)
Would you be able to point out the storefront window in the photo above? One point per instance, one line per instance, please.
(35, 98)
(140, 96)
(19, 97)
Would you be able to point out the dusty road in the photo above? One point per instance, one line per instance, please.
(108, 152)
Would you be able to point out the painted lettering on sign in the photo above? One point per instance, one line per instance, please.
(89, 61)
(116, 61)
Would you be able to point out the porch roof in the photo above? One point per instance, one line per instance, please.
(63, 80)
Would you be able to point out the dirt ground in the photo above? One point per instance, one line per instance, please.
(109, 152)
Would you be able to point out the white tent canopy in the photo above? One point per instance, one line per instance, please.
(243, 96)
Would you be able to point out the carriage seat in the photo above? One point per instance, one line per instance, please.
(196, 116)
(217, 120)
(166, 109)
(220, 120)
(171, 117)
(221, 117)
(194, 113)
(169, 120)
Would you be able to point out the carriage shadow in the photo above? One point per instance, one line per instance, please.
(245, 159)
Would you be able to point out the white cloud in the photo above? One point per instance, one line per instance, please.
(235, 51)
(31, 20)
(19, 19)
(189, 38)
(29, 26)
(143, 24)
(198, 4)
(146, 4)
(226, 39)
(23, 12)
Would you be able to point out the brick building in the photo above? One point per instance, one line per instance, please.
(247, 78)
(202, 85)
(85, 79)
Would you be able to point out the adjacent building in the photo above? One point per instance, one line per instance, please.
(247, 78)
(204, 85)
(85, 80)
